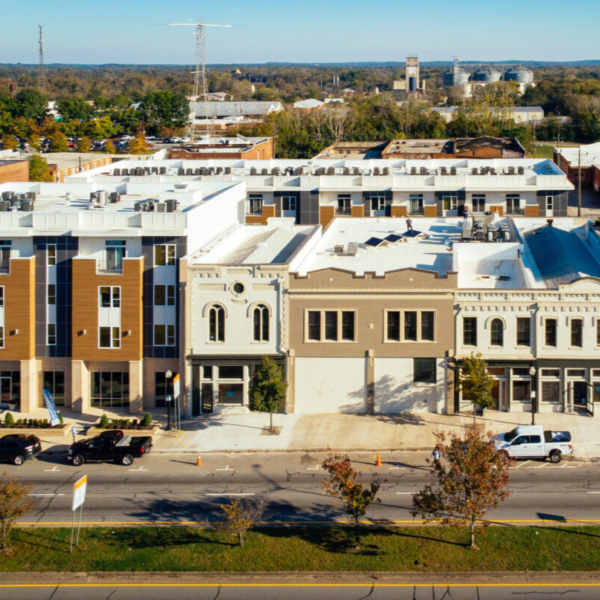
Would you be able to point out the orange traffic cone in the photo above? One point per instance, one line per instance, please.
(198, 460)
(378, 461)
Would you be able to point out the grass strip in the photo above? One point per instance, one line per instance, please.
(434, 548)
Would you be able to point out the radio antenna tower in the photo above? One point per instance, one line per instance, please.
(200, 79)
(41, 73)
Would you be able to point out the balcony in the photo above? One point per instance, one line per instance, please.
(109, 267)
(343, 211)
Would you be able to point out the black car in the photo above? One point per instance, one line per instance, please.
(17, 448)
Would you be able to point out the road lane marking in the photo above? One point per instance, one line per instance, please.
(225, 494)
(46, 494)
(405, 493)
(138, 470)
(313, 468)
(226, 469)
(55, 470)
(394, 468)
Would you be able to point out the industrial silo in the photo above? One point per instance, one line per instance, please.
(455, 77)
(519, 74)
(487, 75)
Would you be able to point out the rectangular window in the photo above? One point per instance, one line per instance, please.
(348, 326)
(163, 387)
(54, 382)
(470, 331)
(314, 325)
(410, 326)
(393, 326)
(255, 204)
(207, 372)
(579, 373)
(513, 204)
(231, 372)
(231, 393)
(110, 389)
(523, 331)
(164, 335)
(521, 391)
(550, 391)
(377, 203)
(550, 203)
(164, 255)
(51, 294)
(1, 295)
(450, 201)
(415, 204)
(550, 325)
(1, 337)
(5, 256)
(288, 203)
(51, 336)
(115, 253)
(110, 297)
(110, 337)
(344, 205)
(427, 326)
(550, 372)
(577, 333)
(424, 370)
(478, 201)
(50, 255)
(331, 326)
(164, 295)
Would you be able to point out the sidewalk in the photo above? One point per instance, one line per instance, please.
(338, 432)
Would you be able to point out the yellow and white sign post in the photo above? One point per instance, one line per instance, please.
(79, 489)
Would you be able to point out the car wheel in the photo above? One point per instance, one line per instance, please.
(127, 460)
(555, 456)
(78, 460)
(18, 460)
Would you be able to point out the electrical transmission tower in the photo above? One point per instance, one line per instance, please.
(200, 79)
(41, 73)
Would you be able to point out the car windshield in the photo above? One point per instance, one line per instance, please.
(511, 435)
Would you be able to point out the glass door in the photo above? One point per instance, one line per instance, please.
(207, 397)
(5, 390)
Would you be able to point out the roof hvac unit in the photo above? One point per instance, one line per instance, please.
(219, 170)
(27, 205)
(146, 170)
(227, 170)
(102, 197)
(511, 170)
(114, 197)
(474, 171)
(356, 170)
(31, 196)
(376, 171)
(161, 207)
(264, 172)
(94, 197)
(197, 172)
(117, 172)
(413, 170)
(452, 170)
(521, 170)
(6, 195)
(386, 170)
(330, 171)
(163, 170)
(154, 170)
(171, 205)
(423, 170)
(139, 171)
(4, 206)
(125, 172)
(180, 171)
(252, 171)
(443, 171)
(189, 171)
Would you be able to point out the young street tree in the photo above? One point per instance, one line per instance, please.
(354, 495)
(470, 479)
(267, 390)
(14, 503)
(242, 515)
(138, 144)
(476, 383)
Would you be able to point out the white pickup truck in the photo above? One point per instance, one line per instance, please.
(531, 441)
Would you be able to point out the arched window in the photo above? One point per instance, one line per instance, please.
(216, 324)
(261, 323)
(497, 332)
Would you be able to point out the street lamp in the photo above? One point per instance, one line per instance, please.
(168, 399)
(532, 372)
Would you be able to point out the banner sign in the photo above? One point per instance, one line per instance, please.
(79, 488)
(176, 386)
(54, 419)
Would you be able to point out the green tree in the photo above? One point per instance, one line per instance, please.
(30, 104)
(343, 484)
(74, 109)
(138, 144)
(83, 144)
(267, 389)
(470, 479)
(109, 148)
(38, 169)
(15, 502)
(475, 381)
(58, 142)
(165, 109)
(242, 515)
(10, 142)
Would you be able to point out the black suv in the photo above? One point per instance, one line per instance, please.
(17, 448)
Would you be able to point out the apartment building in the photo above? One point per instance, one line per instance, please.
(316, 191)
(236, 310)
(89, 287)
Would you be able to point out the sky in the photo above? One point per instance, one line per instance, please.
(304, 31)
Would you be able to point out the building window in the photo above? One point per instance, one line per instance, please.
(550, 391)
(427, 326)
(164, 255)
(51, 334)
(377, 202)
(116, 250)
(597, 331)
(164, 335)
(415, 204)
(550, 333)
(1, 336)
(255, 204)
(393, 326)
(410, 326)
(497, 333)
(288, 203)
(513, 204)
(110, 390)
(424, 370)
(261, 323)
(523, 331)
(5, 256)
(478, 202)
(331, 326)
(450, 201)
(50, 255)
(344, 205)
(577, 333)
(216, 324)
(470, 331)
(51, 294)
(163, 387)
(110, 337)
(521, 391)
(549, 203)
(110, 297)
(164, 295)
(1, 295)
(54, 382)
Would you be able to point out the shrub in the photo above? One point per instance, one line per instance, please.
(134, 423)
(9, 420)
(147, 422)
(61, 418)
(19, 423)
(104, 421)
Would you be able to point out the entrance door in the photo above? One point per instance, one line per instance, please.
(207, 397)
(580, 391)
(5, 390)
(499, 394)
(549, 206)
(288, 206)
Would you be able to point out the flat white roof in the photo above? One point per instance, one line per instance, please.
(590, 154)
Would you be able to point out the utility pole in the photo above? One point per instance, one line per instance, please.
(579, 185)
(41, 74)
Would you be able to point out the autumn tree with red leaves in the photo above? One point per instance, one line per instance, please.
(470, 478)
(343, 484)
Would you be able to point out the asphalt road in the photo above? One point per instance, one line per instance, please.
(171, 488)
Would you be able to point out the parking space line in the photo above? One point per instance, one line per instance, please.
(313, 468)
(138, 470)
(231, 494)
(42, 495)
(226, 469)
(55, 470)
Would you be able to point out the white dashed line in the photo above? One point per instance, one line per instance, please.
(55, 470)
(241, 494)
(226, 469)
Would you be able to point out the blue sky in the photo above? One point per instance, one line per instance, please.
(130, 31)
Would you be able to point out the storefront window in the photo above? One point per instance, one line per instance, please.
(110, 390)
(54, 382)
(163, 387)
(521, 391)
(550, 391)
(231, 393)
